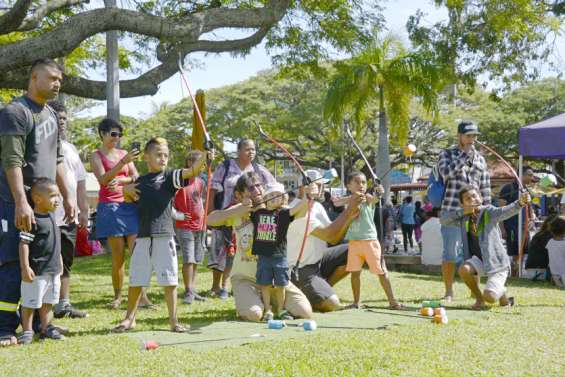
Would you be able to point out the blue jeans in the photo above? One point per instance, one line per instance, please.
(452, 242)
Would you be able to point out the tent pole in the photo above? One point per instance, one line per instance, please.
(520, 220)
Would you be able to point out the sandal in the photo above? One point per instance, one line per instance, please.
(351, 306)
(51, 332)
(285, 316)
(8, 340)
(510, 303)
(26, 338)
(268, 316)
(148, 306)
(178, 328)
(122, 328)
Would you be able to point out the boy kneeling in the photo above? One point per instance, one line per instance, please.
(484, 251)
(154, 248)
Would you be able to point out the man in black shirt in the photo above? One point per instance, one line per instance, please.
(29, 149)
(155, 247)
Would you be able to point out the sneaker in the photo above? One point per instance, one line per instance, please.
(69, 312)
(223, 294)
(197, 297)
(51, 332)
(188, 298)
(26, 338)
(268, 316)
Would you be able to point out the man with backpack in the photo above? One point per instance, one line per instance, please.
(30, 148)
(223, 182)
(458, 166)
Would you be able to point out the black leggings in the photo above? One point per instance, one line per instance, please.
(407, 231)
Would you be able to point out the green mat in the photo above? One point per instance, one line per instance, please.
(205, 336)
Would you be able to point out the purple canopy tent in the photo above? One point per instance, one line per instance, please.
(543, 140)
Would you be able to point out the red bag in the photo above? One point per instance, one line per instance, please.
(82, 247)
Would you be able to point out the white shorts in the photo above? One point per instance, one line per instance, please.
(495, 281)
(44, 289)
(154, 254)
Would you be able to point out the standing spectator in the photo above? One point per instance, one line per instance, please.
(223, 183)
(329, 206)
(556, 251)
(508, 194)
(562, 204)
(459, 166)
(537, 248)
(29, 148)
(190, 235)
(116, 220)
(407, 222)
(76, 181)
(41, 263)
(419, 218)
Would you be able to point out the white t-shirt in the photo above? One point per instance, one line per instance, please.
(556, 254)
(432, 244)
(314, 248)
(244, 262)
(74, 173)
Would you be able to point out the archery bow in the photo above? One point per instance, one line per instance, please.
(306, 181)
(376, 179)
(522, 245)
(207, 141)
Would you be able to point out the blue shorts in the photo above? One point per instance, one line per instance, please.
(452, 242)
(116, 219)
(272, 271)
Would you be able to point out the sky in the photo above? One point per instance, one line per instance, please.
(219, 70)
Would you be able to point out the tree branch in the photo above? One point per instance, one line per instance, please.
(31, 22)
(65, 38)
(145, 84)
(12, 19)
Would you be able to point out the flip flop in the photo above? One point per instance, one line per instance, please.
(121, 329)
(396, 306)
(114, 304)
(178, 328)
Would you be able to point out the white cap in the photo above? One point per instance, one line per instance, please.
(315, 175)
(273, 187)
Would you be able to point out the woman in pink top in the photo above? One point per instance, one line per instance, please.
(116, 220)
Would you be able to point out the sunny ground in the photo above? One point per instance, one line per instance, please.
(527, 340)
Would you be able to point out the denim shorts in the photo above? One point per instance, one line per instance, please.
(451, 243)
(272, 270)
(116, 219)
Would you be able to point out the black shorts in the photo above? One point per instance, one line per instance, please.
(68, 242)
(313, 278)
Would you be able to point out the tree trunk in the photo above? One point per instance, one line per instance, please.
(112, 71)
(383, 160)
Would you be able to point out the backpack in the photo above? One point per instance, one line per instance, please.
(436, 188)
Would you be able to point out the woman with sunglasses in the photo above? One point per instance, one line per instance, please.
(116, 220)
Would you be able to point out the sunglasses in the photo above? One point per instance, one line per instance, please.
(115, 134)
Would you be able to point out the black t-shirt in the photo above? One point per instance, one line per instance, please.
(44, 242)
(39, 126)
(269, 231)
(156, 191)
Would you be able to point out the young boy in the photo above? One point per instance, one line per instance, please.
(484, 252)
(269, 244)
(363, 243)
(41, 263)
(188, 201)
(154, 248)
(556, 251)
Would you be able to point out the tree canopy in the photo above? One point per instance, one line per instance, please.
(159, 32)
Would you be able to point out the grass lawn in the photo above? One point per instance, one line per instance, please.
(527, 340)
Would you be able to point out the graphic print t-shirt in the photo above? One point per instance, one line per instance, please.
(270, 229)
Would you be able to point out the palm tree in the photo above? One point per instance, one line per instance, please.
(383, 73)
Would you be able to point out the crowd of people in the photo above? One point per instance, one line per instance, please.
(283, 255)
